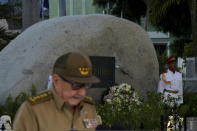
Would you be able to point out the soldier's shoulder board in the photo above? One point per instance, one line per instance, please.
(42, 97)
(165, 72)
(89, 100)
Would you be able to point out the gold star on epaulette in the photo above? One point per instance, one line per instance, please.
(45, 96)
(89, 100)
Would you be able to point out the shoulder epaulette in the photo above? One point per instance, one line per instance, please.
(165, 72)
(89, 100)
(45, 96)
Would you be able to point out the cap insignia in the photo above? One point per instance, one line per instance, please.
(84, 71)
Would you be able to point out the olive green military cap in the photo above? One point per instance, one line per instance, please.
(75, 67)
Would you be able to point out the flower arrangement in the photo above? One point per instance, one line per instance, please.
(121, 105)
(122, 95)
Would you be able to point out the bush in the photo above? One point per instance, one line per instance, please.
(121, 102)
(162, 61)
(11, 105)
(188, 50)
(123, 106)
(189, 107)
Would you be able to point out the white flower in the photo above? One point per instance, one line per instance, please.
(120, 94)
(129, 107)
(115, 94)
(127, 89)
(117, 90)
(124, 84)
(117, 100)
(138, 102)
(135, 95)
(126, 100)
(108, 100)
(113, 88)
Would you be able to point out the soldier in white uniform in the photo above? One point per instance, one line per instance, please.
(170, 83)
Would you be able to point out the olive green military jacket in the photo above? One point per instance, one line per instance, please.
(48, 112)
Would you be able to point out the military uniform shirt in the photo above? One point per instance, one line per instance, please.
(51, 113)
(171, 84)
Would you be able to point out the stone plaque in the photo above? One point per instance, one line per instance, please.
(104, 69)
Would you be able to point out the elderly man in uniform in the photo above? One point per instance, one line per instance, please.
(170, 83)
(64, 106)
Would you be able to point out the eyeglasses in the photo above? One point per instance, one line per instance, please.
(76, 86)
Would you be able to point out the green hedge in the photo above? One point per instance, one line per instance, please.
(148, 113)
(11, 105)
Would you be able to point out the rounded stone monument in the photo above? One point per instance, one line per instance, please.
(29, 58)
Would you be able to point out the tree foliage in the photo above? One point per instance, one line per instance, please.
(179, 17)
(5, 37)
(129, 9)
(12, 12)
(188, 50)
(166, 15)
(177, 47)
(171, 16)
(162, 61)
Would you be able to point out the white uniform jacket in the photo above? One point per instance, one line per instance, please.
(171, 84)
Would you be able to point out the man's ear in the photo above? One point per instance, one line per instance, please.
(55, 78)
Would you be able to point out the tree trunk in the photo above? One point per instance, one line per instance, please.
(193, 12)
(62, 8)
(147, 15)
(146, 19)
(30, 12)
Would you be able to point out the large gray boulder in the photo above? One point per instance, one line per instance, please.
(29, 58)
